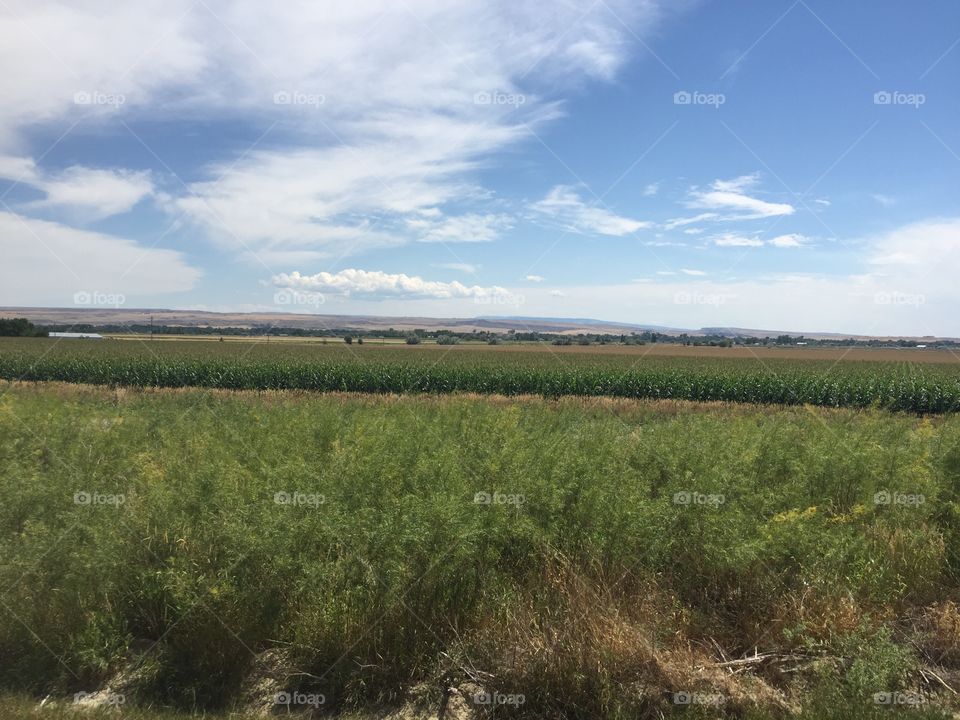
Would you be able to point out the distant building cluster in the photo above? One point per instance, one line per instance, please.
(77, 335)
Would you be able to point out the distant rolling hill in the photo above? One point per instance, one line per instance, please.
(372, 323)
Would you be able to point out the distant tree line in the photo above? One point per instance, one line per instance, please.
(451, 337)
(20, 327)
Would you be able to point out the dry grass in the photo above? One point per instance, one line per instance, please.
(625, 647)
(938, 634)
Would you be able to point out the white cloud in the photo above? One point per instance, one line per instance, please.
(918, 250)
(885, 200)
(45, 263)
(557, 293)
(381, 134)
(907, 286)
(730, 196)
(916, 262)
(791, 240)
(459, 267)
(17, 169)
(535, 278)
(471, 227)
(565, 206)
(122, 50)
(596, 56)
(273, 203)
(733, 240)
(681, 222)
(737, 184)
(380, 285)
(695, 273)
(93, 193)
(651, 189)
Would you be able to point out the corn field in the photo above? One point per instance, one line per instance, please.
(921, 388)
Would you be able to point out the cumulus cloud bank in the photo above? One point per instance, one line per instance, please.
(376, 284)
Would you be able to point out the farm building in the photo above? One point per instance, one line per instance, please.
(77, 336)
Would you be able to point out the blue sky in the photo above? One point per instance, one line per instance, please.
(783, 165)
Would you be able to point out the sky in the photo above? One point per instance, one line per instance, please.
(775, 164)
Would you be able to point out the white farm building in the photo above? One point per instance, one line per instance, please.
(70, 335)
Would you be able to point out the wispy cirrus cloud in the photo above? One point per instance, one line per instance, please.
(340, 200)
(90, 193)
(357, 135)
(95, 192)
(467, 268)
(734, 240)
(682, 222)
(564, 206)
(472, 227)
(731, 198)
(790, 240)
(684, 271)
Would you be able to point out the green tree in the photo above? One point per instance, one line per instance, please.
(19, 327)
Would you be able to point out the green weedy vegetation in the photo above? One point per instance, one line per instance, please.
(166, 542)
(893, 386)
